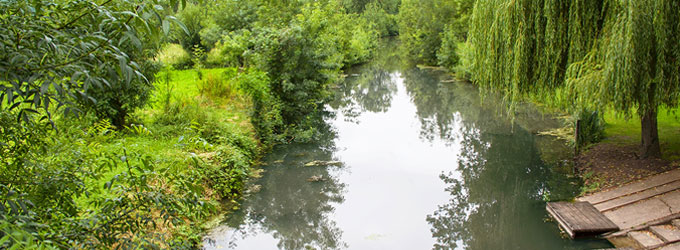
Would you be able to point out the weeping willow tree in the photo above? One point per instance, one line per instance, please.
(581, 54)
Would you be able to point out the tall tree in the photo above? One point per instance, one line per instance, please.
(635, 67)
(622, 55)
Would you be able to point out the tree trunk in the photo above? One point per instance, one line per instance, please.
(650, 135)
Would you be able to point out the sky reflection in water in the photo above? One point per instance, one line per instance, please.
(426, 165)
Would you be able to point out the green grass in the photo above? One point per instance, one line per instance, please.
(185, 82)
(214, 129)
(622, 131)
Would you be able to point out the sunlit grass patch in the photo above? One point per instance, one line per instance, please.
(620, 130)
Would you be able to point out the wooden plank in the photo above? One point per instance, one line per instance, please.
(625, 231)
(672, 199)
(580, 219)
(674, 246)
(676, 223)
(667, 233)
(639, 213)
(634, 187)
(630, 199)
(645, 239)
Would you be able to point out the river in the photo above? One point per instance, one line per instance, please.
(416, 162)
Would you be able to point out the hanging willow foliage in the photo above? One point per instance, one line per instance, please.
(580, 53)
(635, 64)
(522, 48)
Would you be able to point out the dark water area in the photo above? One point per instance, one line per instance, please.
(415, 161)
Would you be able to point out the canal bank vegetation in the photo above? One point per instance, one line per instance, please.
(128, 124)
(605, 63)
(125, 124)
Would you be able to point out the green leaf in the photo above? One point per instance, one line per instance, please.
(178, 23)
(166, 27)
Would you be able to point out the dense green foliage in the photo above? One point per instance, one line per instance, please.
(581, 54)
(91, 186)
(97, 180)
(60, 53)
(382, 15)
(431, 29)
(301, 47)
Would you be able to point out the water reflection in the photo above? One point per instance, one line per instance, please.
(369, 87)
(497, 192)
(426, 164)
(289, 208)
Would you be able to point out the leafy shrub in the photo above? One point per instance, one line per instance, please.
(356, 40)
(380, 20)
(193, 18)
(49, 199)
(422, 21)
(228, 171)
(447, 55)
(64, 55)
(463, 67)
(232, 50)
(590, 127)
(122, 96)
(266, 112)
(227, 17)
(175, 56)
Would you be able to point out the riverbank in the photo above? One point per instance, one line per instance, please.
(615, 160)
(208, 119)
(184, 159)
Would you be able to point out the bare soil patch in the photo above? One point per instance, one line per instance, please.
(609, 164)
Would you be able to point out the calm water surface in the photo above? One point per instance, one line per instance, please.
(425, 164)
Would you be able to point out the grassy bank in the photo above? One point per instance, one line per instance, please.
(622, 131)
(197, 127)
(183, 159)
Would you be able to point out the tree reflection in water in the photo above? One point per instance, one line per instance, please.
(369, 87)
(498, 189)
(290, 208)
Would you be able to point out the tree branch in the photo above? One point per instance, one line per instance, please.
(81, 16)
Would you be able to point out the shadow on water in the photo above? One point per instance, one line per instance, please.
(472, 177)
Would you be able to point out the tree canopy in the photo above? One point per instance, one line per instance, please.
(621, 55)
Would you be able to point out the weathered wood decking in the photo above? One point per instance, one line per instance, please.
(644, 212)
(580, 219)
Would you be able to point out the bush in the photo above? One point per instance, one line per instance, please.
(301, 61)
(355, 38)
(193, 18)
(175, 56)
(447, 55)
(590, 127)
(381, 21)
(233, 50)
(464, 65)
(422, 21)
(123, 94)
(55, 196)
(266, 112)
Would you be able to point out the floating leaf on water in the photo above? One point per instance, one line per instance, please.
(323, 163)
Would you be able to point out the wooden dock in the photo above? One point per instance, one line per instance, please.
(580, 219)
(646, 213)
